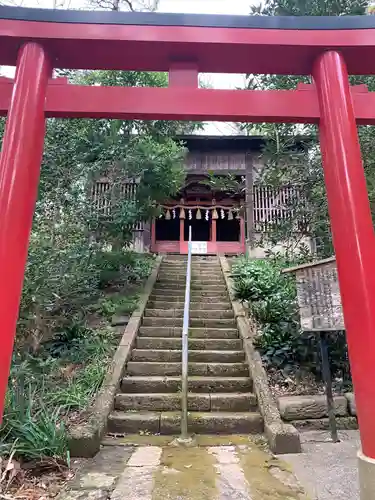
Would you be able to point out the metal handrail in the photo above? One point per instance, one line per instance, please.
(185, 348)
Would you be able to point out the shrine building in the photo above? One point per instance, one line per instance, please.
(223, 221)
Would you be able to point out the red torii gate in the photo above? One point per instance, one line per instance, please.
(329, 48)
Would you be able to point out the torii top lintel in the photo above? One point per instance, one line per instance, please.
(215, 43)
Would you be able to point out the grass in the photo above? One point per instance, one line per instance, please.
(45, 390)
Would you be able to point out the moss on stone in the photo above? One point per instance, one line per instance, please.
(187, 474)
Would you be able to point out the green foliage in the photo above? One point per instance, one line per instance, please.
(311, 8)
(117, 304)
(120, 268)
(305, 169)
(271, 296)
(44, 389)
(31, 429)
(260, 282)
(228, 183)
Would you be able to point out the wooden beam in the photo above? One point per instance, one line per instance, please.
(184, 103)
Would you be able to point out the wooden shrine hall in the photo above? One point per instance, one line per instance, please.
(222, 221)
(225, 217)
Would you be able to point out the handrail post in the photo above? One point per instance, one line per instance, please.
(185, 349)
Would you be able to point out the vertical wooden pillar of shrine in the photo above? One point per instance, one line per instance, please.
(182, 233)
(214, 232)
(354, 242)
(20, 160)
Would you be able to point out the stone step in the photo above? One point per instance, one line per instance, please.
(194, 286)
(195, 268)
(209, 384)
(180, 275)
(174, 297)
(196, 333)
(200, 344)
(162, 304)
(174, 368)
(194, 313)
(194, 260)
(233, 401)
(177, 292)
(208, 279)
(194, 322)
(198, 422)
(174, 355)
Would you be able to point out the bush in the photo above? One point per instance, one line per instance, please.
(44, 389)
(116, 268)
(117, 304)
(271, 296)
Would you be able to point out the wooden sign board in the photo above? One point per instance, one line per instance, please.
(318, 296)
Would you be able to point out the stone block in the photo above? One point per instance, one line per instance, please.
(226, 422)
(351, 402)
(84, 440)
(118, 320)
(170, 423)
(310, 407)
(321, 424)
(132, 423)
(282, 438)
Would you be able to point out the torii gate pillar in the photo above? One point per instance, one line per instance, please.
(20, 161)
(354, 242)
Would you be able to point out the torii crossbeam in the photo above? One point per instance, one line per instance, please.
(328, 48)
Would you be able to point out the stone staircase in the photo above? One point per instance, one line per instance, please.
(220, 388)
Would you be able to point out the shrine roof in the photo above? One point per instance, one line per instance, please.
(240, 143)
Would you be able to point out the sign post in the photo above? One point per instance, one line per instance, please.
(319, 301)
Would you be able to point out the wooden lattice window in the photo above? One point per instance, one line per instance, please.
(102, 195)
(273, 205)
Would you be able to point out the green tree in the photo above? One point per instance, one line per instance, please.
(305, 169)
(61, 269)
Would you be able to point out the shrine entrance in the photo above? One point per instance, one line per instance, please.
(216, 219)
(201, 228)
(220, 227)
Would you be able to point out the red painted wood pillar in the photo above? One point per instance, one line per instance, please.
(352, 231)
(20, 161)
(213, 231)
(182, 232)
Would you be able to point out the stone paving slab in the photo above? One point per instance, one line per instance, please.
(239, 469)
(328, 470)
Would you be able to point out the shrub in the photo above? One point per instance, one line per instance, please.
(117, 304)
(44, 389)
(122, 267)
(271, 296)
(32, 430)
